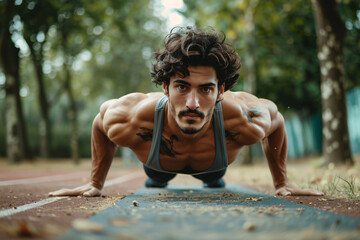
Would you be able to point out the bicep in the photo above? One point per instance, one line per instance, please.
(276, 119)
(261, 120)
(118, 120)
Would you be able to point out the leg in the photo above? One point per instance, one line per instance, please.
(213, 179)
(156, 178)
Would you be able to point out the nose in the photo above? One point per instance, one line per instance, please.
(192, 101)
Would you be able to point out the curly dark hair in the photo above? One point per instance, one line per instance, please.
(186, 46)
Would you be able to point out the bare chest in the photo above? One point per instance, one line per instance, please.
(176, 154)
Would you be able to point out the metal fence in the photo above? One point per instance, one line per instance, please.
(305, 135)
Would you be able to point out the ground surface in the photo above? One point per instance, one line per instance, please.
(194, 212)
(29, 183)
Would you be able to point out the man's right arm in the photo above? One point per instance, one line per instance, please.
(110, 129)
(102, 152)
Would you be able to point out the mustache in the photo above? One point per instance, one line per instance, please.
(195, 111)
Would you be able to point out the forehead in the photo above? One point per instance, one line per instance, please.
(199, 74)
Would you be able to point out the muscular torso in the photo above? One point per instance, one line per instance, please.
(128, 122)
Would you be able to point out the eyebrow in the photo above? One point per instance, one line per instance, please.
(208, 85)
(188, 84)
(182, 82)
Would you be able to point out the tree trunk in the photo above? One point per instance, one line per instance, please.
(330, 37)
(44, 124)
(250, 79)
(72, 116)
(16, 137)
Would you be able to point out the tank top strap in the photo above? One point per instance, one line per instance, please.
(153, 159)
(221, 159)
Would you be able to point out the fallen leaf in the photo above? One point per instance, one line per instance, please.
(254, 199)
(121, 222)
(25, 230)
(84, 225)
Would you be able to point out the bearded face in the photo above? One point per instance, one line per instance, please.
(192, 99)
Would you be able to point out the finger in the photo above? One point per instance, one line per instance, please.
(65, 192)
(283, 192)
(307, 192)
(94, 192)
(311, 192)
(55, 193)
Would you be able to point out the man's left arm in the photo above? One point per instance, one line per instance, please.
(275, 149)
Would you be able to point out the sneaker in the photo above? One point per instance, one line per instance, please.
(153, 184)
(217, 184)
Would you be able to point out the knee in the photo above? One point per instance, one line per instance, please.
(158, 176)
(210, 177)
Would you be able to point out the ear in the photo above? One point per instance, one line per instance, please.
(221, 93)
(165, 88)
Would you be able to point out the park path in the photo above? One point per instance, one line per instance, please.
(193, 212)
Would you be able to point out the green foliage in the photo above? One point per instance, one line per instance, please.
(109, 46)
(287, 68)
(350, 13)
(121, 60)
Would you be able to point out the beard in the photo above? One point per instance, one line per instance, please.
(190, 130)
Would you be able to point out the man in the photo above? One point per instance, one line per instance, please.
(196, 126)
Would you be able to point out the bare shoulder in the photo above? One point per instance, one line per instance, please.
(247, 116)
(120, 117)
(240, 102)
(130, 105)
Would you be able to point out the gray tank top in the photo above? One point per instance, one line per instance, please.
(221, 160)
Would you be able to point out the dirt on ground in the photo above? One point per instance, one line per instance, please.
(339, 183)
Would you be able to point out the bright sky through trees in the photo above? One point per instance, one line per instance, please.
(168, 11)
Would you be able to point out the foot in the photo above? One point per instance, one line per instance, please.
(217, 184)
(153, 184)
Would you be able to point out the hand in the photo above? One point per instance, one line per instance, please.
(87, 190)
(291, 190)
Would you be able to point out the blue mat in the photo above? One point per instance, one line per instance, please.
(233, 212)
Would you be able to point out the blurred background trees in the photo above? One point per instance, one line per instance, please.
(61, 59)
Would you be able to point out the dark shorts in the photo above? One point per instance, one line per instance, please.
(163, 177)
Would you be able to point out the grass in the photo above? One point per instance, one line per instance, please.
(351, 189)
(340, 181)
(335, 181)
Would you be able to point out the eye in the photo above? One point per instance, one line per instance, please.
(181, 88)
(206, 89)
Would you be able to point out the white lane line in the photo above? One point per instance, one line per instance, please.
(39, 179)
(125, 178)
(11, 211)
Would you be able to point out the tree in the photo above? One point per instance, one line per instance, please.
(38, 17)
(16, 137)
(76, 19)
(330, 39)
(122, 58)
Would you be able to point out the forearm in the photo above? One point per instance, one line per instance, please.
(102, 151)
(275, 149)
